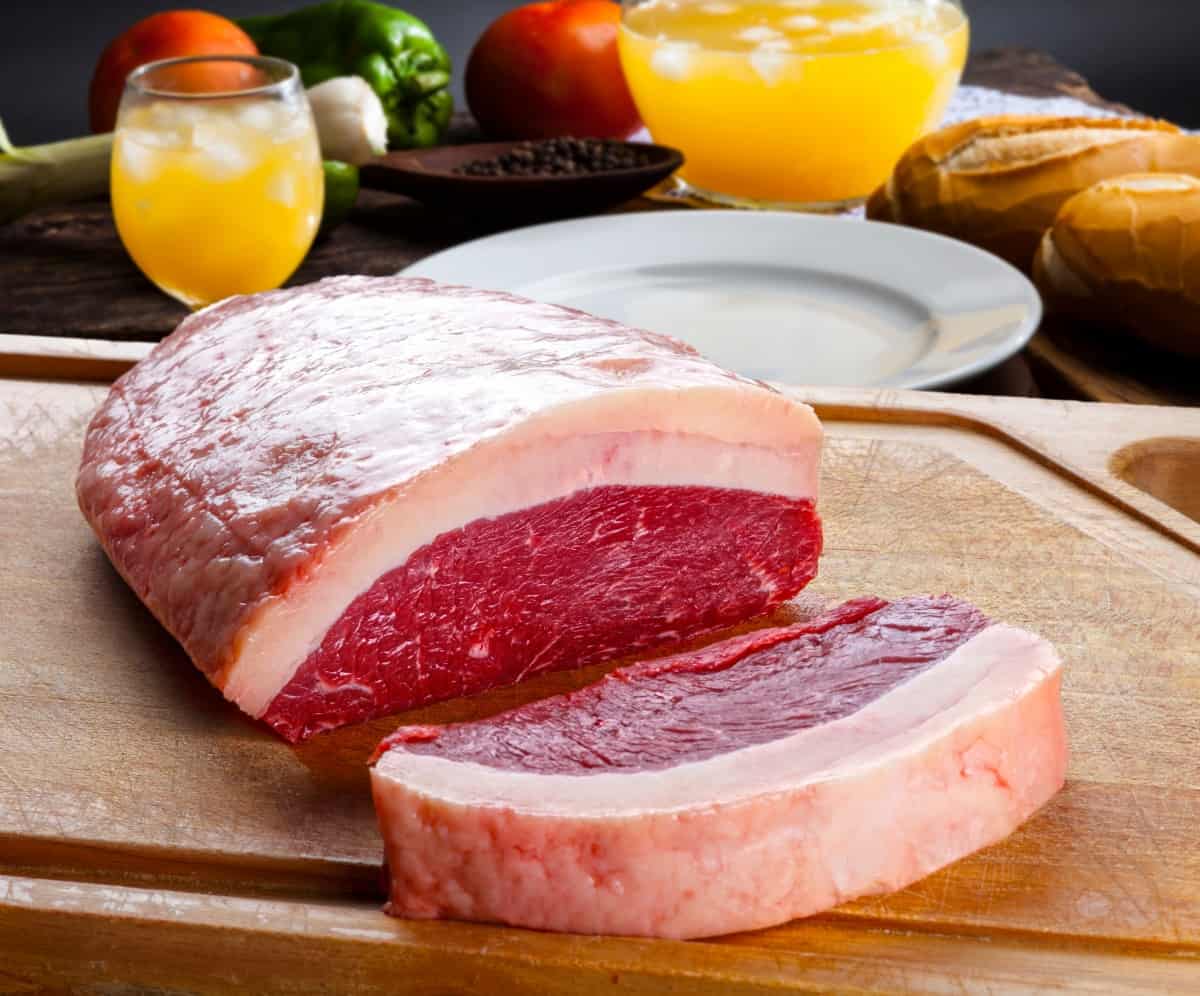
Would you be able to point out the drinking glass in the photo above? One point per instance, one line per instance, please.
(217, 186)
(804, 104)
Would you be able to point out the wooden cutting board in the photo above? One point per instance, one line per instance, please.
(151, 836)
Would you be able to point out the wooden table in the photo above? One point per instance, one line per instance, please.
(63, 272)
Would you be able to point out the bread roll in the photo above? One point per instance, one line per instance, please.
(1126, 253)
(998, 182)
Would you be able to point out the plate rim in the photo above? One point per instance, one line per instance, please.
(1008, 347)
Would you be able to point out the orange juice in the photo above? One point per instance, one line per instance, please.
(217, 197)
(803, 102)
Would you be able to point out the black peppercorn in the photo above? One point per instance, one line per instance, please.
(558, 157)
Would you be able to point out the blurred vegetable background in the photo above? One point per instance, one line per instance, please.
(351, 127)
(376, 76)
(536, 69)
(549, 69)
(167, 35)
(392, 50)
(52, 173)
(56, 42)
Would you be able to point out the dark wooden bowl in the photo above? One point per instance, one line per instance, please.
(428, 175)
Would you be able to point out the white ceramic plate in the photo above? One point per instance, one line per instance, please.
(795, 299)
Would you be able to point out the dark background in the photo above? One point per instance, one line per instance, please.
(1142, 52)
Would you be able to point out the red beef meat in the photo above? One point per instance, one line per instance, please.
(766, 777)
(367, 494)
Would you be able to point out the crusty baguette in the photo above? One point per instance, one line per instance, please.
(1125, 253)
(998, 182)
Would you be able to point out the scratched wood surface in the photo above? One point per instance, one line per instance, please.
(152, 836)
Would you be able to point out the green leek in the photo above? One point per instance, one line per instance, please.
(58, 172)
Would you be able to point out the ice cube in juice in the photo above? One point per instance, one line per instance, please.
(804, 102)
(216, 197)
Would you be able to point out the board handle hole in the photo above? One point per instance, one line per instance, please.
(1166, 468)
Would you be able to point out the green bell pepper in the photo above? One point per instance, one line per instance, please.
(393, 51)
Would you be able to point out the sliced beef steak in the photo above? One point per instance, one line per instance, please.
(362, 495)
(763, 778)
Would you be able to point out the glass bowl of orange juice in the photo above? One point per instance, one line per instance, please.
(217, 185)
(803, 104)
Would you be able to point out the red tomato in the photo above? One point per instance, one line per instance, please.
(162, 36)
(550, 69)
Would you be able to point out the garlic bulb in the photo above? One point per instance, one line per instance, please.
(351, 123)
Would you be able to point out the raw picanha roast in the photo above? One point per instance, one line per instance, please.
(763, 778)
(361, 495)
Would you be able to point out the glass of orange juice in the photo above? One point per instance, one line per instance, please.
(217, 185)
(791, 103)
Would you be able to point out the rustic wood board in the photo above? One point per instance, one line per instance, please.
(63, 271)
(152, 836)
(1102, 365)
